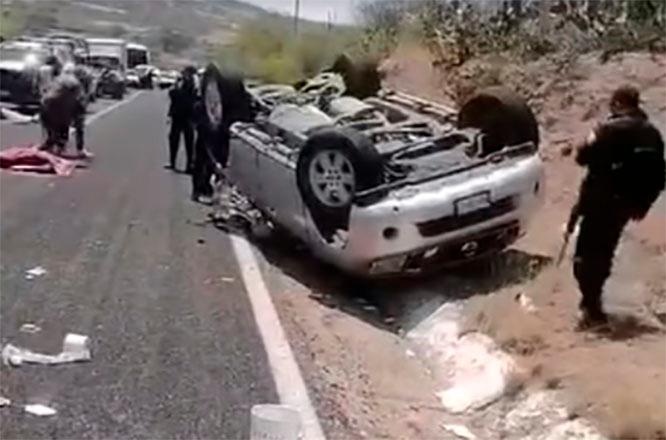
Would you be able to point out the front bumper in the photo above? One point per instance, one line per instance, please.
(425, 225)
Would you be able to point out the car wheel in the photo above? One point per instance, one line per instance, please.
(225, 101)
(502, 116)
(333, 166)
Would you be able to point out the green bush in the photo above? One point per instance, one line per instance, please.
(270, 50)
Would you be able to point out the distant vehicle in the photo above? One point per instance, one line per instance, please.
(24, 72)
(168, 78)
(148, 75)
(132, 78)
(108, 56)
(111, 83)
(109, 53)
(137, 54)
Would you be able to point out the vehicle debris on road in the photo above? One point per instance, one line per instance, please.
(75, 348)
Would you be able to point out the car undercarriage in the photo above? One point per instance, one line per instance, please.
(387, 184)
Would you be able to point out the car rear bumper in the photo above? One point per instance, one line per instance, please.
(428, 225)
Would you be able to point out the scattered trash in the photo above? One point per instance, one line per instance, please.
(277, 422)
(410, 353)
(389, 320)
(29, 328)
(74, 349)
(228, 279)
(370, 308)
(4, 402)
(35, 272)
(201, 241)
(460, 431)
(40, 410)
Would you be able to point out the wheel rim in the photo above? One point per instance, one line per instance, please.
(213, 104)
(332, 178)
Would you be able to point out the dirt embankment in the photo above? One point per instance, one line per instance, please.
(617, 378)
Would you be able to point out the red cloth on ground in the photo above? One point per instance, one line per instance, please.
(34, 160)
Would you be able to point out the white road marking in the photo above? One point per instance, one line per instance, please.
(111, 108)
(286, 373)
(90, 119)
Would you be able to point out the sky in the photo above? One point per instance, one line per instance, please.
(342, 11)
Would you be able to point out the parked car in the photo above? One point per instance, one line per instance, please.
(148, 75)
(168, 78)
(24, 72)
(390, 184)
(111, 83)
(132, 78)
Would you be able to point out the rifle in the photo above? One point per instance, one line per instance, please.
(571, 226)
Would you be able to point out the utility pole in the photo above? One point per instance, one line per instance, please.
(297, 6)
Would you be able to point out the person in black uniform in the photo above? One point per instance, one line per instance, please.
(624, 157)
(183, 97)
(203, 163)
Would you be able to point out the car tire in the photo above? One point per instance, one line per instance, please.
(333, 166)
(502, 116)
(224, 101)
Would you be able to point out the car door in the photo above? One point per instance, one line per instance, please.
(278, 192)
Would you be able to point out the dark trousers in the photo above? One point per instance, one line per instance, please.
(599, 235)
(79, 130)
(203, 168)
(178, 127)
(57, 130)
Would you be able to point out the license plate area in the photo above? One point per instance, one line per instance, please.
(474, 202)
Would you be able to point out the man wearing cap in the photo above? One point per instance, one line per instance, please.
(624, 157)
(183, 97)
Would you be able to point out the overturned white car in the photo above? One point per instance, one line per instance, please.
(389, 184)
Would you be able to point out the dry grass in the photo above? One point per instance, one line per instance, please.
(632, 409)
(502, 317)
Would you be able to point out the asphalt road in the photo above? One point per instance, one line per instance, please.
(176, 353)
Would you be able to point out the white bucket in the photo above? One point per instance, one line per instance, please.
(274, 422)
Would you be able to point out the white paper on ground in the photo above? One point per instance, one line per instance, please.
(40, 410)
(460, 430)
(75, 349)
(4, 401)
(35, 272)
(29, 328)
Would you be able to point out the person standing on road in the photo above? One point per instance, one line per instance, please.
(626, 171)
(181, 109)
(63, 106)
